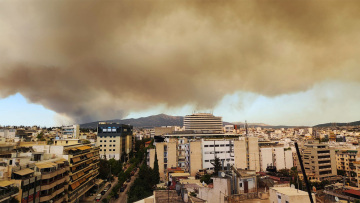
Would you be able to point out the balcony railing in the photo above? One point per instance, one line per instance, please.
(8, 192)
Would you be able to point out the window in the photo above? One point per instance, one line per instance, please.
(240, 184)
(206, 145)
(100, 145)
(104, 140)
(113, 140)
(113, 145)
(104, 145)
(104, 150)
(109, 145)
(100, 140)
(206, 160)
(110, 140)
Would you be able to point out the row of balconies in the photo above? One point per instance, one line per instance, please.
(53, 184)
(96, 156)
(82, 169)
(52, 195)
(8, 192)
(54, 173)
(82, 189)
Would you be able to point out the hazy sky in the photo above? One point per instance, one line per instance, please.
(275, 62)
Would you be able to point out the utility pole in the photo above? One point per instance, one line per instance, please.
(304, 173)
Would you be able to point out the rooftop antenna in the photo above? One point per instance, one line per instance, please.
(246, 128)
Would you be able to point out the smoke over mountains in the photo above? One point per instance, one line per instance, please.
(95, 60)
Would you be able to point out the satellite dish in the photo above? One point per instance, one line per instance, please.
(292, 186)
(222, 174)
(336, 199)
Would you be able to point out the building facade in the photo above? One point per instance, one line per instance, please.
(319, 161)
(70, 132)
(114, 140)
(203, 123)
(345, 160)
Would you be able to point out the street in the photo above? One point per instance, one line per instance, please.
(123, 196)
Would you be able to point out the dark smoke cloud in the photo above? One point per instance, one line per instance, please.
(92, 60)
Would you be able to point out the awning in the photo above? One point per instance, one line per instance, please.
(84, 148)
(62, 160)
(89, 155)
(24, 172)
(74, 177)
(75, 185)
(76, 159)
(5, 183)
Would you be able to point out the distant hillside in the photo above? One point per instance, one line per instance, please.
(150, 121)
(355, 123)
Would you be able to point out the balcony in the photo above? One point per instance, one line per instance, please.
(47, 175)
(52, 195)
(325, 169)
(53, 184)
(8, 192)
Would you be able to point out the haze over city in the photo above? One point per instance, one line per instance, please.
(289, 63)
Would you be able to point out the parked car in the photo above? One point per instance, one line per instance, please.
(103, 192)
(98, 197)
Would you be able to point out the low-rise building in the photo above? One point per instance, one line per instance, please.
(289, 195)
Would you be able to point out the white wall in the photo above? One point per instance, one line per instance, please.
(220, 148)
(279, 158)
(288, 159)
(266, 158)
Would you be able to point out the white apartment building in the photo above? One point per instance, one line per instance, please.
(70, 132)
(275, 156)
(223, 149)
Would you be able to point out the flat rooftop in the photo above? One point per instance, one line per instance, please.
(289, 191)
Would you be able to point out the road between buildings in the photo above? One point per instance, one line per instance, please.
(123, 196)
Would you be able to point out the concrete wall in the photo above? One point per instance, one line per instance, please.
(288, 159)
(240, 154)
(195, 157)
(160, 157)
(266, 158)
(216, 194)
(279, 158)
(172, 154)
(254, 158)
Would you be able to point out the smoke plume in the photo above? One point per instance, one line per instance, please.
(93, 60)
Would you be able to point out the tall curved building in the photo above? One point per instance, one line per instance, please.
(203, 123)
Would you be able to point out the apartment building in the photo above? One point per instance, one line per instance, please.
(28, 182)
(83, 165)
(319, 161)
(84, 168)
(196, 154)
(114, 140)
(70, 132)
(345, 161)
(279, 157)
(167, 155)
(203, 123)
(54, 177)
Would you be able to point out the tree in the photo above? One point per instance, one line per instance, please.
(206, 178)
(155, 170)
(217, 165)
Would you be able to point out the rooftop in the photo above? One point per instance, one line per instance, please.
(290, 191)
